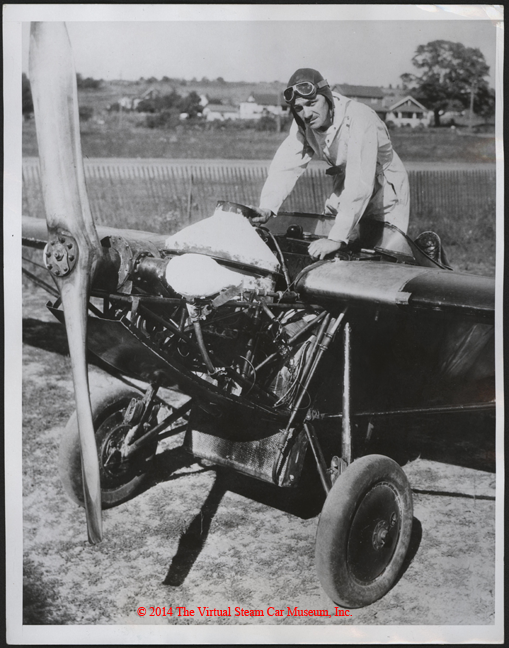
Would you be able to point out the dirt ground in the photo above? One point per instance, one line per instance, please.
(196, 537)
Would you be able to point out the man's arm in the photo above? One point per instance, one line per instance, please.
(289, 163)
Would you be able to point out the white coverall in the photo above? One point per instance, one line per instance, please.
(374, 184)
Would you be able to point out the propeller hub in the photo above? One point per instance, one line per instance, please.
(60, 255)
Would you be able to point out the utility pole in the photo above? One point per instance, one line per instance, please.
(471, 116)
(278, 113)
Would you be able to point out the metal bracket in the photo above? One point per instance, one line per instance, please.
(60, 254)
(337, 467)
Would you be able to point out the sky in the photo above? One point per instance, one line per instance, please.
(364, 52)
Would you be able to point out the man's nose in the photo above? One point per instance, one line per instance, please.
(307, 111)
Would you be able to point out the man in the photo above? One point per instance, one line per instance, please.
(370, 184)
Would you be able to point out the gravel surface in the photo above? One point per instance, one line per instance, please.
(200, 538)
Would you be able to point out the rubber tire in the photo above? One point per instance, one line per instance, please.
(333, 555)
(105, 404)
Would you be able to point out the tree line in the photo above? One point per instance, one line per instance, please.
(449, 77)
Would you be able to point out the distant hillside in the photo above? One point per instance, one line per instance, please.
(228, 92)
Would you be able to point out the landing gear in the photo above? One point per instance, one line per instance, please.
(364, 531)
(120, 478)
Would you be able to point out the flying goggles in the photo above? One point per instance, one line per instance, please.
(305, 89)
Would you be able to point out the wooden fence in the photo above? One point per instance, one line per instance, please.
(163, 195)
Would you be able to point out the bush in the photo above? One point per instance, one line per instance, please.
(86, 113)
(164, 119)
(266, 123)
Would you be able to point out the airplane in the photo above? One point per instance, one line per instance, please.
(284, 359)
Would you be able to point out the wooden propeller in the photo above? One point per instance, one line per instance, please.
(73, 249)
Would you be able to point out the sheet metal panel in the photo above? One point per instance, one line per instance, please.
(396, 284)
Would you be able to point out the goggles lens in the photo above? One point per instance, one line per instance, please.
(303, 89)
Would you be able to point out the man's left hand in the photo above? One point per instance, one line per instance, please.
(320, 248)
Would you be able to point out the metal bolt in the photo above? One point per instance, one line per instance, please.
(69, 245)
(48, 253)
(61, 239)
(59, 255)
(57, 272)
(49, 266)
(71, 257)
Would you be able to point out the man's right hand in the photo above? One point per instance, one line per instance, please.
(262, 215)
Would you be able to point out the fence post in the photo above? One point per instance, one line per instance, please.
(190, 200)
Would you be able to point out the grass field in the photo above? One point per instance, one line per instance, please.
(124, 136)
(470, 238)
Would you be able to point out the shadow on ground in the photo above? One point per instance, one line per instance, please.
(465, 439)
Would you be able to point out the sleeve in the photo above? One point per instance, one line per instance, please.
(360, 172)
(289, 163)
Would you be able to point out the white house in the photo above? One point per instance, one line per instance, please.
(261, 105)
(131, 103)
(218, 112)
(389, 104)
(407, 111)
(372, 96)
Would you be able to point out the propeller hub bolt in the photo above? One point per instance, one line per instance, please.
(57, 257)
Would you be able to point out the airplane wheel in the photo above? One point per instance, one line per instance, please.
(119, 481)
(364, 531)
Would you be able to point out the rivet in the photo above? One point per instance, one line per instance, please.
(61, 239)
(69, 246)
(71, 257)
(49, 266)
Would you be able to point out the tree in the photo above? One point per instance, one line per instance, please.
(89, 82)
(449, 72)
(191, 104)
(484, 102)
(27, 105)
(85, 113)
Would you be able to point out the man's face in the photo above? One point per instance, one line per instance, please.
(315, 112)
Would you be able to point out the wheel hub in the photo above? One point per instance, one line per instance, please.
(112, 464)
(374, 533)
(380, 534)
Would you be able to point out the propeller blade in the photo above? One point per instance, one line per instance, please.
(74, 250)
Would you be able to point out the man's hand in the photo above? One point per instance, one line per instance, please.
(263, 215)
(320, 248)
